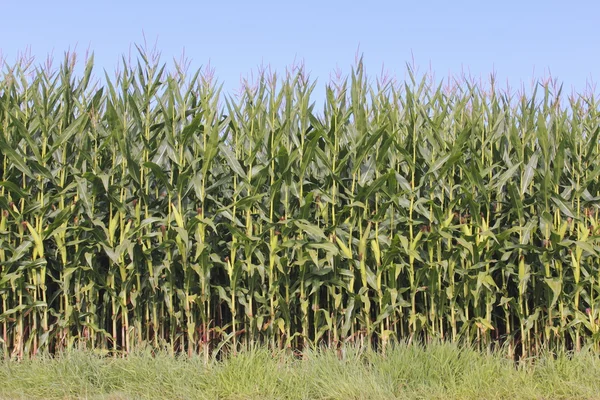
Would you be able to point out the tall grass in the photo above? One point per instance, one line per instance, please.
(435, 371)
(155, 210)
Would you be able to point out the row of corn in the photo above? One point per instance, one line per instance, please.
(151, 209)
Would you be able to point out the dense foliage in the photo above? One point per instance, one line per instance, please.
(153, 210)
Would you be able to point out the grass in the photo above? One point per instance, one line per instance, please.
(437, 371)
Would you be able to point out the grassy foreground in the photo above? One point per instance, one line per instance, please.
(406, 372)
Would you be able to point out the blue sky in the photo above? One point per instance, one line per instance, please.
(519, 40)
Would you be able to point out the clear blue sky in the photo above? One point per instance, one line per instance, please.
(517, 39)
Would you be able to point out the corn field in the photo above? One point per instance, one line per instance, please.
(153, 210)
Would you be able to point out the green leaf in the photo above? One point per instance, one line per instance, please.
(159, 174)
(506, 176)
(311, 229)
(327, 246)
(528, 173)
(15, 158)
(564, 207)
(13, 188)
(234, 164)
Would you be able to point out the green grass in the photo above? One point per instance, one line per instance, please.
(437, 371)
